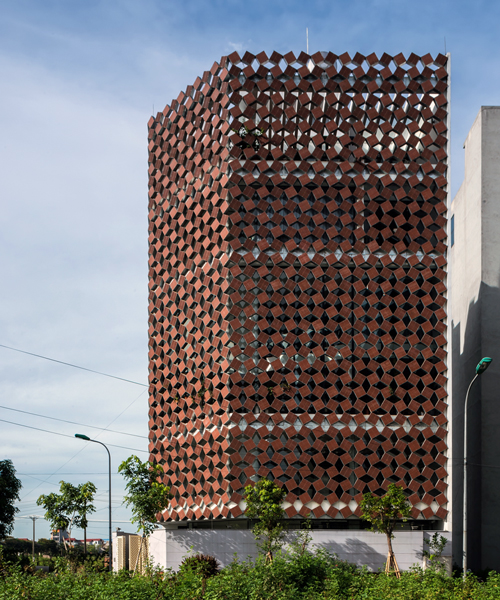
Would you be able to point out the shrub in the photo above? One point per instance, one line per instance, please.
(235, 582)
(300, 574)
(201, 564)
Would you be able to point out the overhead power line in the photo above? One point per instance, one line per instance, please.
(82, 447)
(61, 362)
(66, 473)
(51, 474)
(89, 520)
(73, 422)
(66, 435)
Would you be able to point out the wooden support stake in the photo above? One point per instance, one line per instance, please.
(391, 566)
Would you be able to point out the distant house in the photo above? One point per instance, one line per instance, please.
(59, 535)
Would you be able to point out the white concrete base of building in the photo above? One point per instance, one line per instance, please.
(169, 547)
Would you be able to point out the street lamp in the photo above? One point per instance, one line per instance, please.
(33, 518)
(483, 364)
(87, 439)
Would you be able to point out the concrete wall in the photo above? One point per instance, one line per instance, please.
(168, 547)
(474, 304)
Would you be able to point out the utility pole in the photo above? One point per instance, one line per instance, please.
(33, 518)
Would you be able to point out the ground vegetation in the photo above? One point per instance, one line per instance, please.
(300, 573)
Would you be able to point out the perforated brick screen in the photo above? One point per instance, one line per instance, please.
(297, 267)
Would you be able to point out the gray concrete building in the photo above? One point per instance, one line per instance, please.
(474, 332)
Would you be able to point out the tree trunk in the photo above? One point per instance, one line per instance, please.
(85, 529)
(70, 527)
(65, 544)
(391, 566)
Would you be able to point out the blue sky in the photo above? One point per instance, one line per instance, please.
(79, 82)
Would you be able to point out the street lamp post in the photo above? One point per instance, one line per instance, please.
(33, 518)
(87, 439)
(483, 364)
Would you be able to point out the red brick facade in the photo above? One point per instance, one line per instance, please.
(297, 266)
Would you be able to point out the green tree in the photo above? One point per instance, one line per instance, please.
(146, 494)
(16, 546)
(10, 487)
(384, 513)
(45, 546)
(264, 502)
(70, 507)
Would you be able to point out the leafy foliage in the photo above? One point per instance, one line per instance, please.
(301, 574)
(201, 564)
(436, 545)
(16, 546)
(70, 507)
(146, 495)
(264, 502)
(384, 512)
(10, 486)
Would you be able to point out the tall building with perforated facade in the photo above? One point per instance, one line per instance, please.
(297, 211)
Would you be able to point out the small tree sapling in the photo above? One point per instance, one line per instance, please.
(147, 495)
(264, 502)
(384, 512)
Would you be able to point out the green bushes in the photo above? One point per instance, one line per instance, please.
(420, 585)
(202, 564)
(300, 574)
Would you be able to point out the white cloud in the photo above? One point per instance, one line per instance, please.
(235, 47)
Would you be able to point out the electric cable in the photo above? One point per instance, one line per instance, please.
(83, 447)
(52, 474)
(89, 520)
(73, 422)
(68, 436)
(61, 362)
(65, 473)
